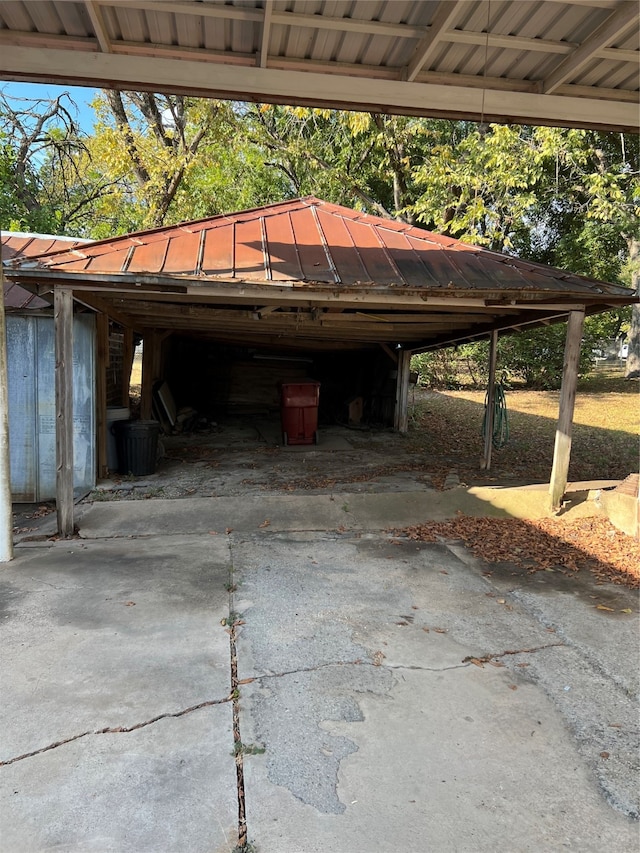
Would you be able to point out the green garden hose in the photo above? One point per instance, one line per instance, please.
(500, 417)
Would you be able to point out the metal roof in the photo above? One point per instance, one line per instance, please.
(309, 274)
(19, 246)
(309, 242)
(563, 62)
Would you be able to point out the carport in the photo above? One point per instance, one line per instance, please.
(569, 63)
(302, 281)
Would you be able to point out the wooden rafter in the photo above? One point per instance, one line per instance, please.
(615, 25)
(444, 17)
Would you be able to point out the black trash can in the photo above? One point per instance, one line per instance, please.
(137, 446)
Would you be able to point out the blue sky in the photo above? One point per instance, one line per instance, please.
(82, 97)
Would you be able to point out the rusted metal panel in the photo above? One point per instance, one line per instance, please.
(249, 251)
(283, 252)
(217, 258)
(149, 257)
(313, 258)
(17, 247)
(182, 253)
(345, 251)
(412, 270)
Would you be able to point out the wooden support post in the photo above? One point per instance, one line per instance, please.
(401, 417)
(151, 349)
(63, 325)
(6, 519)
(102, 363)
(127, 363)
(562, 448)
(491, 397)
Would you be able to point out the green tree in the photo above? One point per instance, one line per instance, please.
(46, 181)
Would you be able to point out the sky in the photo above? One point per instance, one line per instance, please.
(82, 97)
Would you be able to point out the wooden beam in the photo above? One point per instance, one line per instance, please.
(102, 363)
(99, 30)
(491, 396)
(63, 330)
(445, 15)
(204, 10)
(266, 33)
(562, 448)
(615, 25)
(96, 303)
(338, 90)
(151, 368)
(401, 415)
(386, 348)
(128, 353)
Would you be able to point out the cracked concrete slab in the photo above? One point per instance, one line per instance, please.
(168, 787)
(354, 652)
(381, 734)
(103, 634)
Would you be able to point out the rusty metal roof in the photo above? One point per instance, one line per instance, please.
(559, 62)
(19, 246)
(308, 275)
(308, 242)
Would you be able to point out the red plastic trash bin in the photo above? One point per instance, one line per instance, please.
(299, 410)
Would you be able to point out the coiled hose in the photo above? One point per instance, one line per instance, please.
(500, 417)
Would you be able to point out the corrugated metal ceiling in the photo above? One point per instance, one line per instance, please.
(540, 61)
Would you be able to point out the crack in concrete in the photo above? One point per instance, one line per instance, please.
(357, 662)
(110, 730)
(488, 658)
(309, 669)
(462, 665)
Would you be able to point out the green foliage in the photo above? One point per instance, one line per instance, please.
(536, 356)
(479, 183)
(533, 358)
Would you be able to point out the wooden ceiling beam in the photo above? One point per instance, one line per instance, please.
(267, 15)
(446, 13)
(97, 22)
(200, 10)
(320, 88)
(102, 306)
(615, 25)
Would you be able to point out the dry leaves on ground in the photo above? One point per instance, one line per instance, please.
(537, 544)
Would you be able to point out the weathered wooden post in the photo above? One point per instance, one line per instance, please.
(63, 328)
(150, 371)
(562, 447)
(102, 363)
(491, 396)
(6, 522)
(401, 415)
(127, 363)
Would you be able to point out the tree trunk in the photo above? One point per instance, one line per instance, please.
(633, 358)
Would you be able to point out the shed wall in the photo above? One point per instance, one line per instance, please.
(32, 422)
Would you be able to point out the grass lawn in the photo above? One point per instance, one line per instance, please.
(605, 434)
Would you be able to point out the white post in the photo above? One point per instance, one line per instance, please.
(6, 518)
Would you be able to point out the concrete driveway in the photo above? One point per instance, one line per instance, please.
(188, 666)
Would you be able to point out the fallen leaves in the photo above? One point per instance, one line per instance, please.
(565, 545)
